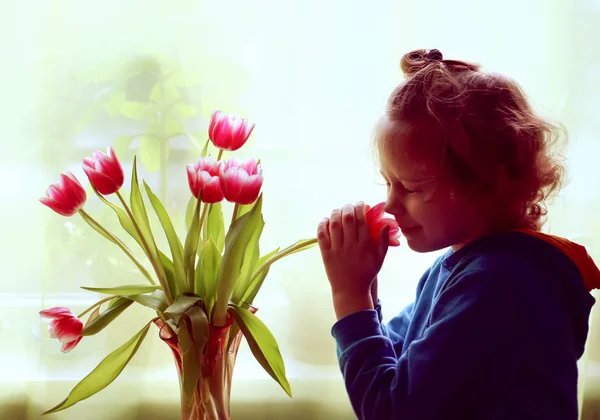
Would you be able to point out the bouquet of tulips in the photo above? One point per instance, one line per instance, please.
(201, 289)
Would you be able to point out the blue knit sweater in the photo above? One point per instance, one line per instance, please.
(495, 332)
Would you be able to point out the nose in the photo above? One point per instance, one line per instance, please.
(394, 205)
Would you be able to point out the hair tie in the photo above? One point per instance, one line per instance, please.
(434, 55)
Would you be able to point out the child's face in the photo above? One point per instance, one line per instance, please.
(431, 216)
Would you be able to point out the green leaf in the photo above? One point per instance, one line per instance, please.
(191, 246)
(121, 145)
(255, 284)
(251, 254)
(299, 246)
(167, 266)
(123, 290)
(95, 313)
(185, 111)
(141, 217)
(240, 237)
(172, 238)
(242, 209)
(105, 373)
(133, 109)
(114, 102)
(263, 345)
(205, 148)
(192, 333)
(117, 300)
(199, 325)
(156, 300)
(189, 212)
(165, 94)
(150, 152)
(106, 317)
(214, 226)
(178, 308)
(254, 288)
(207, 272)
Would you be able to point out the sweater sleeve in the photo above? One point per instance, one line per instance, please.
(397, 328)
(470, 321)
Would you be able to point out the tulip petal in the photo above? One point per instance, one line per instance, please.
(103, 183)
(192, 180)
(59, 207)
(376, 212)
(67, 347)
(64, 326)
(231, 183)
(252, 167)
(89, 162)
(211, 191)
(52, 329)
(250, 189)
(104, 171)
(215, 119)
(57, 312)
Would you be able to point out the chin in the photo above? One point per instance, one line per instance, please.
(421, 247)
(419, 243)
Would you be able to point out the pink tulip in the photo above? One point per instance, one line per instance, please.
(64, 326)
(203, 178)
(66, 197)
(228, 131)
(376, 221)
(104, 171)
(241, 181)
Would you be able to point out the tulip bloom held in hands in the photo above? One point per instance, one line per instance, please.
(241, 181)
(228, 131)
(204, 176)
(66, 197)
(64, 326)
(376, 220)
(354, 242)
(104, 171)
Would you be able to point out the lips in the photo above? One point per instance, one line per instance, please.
(409, 229)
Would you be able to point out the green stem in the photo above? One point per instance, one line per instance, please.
(280, 255)
(100, 302)
(191, 278)
(119, 243)
(235, 212)
(220, 154)
(147, 250)
(203, 217)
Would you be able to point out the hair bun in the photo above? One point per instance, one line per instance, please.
(417, 60)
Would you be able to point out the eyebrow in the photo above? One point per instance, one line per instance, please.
(412, 181)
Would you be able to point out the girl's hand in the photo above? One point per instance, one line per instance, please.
(351, 258)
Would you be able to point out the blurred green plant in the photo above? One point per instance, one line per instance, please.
(142, 104)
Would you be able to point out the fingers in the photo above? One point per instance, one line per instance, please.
(349, 224)
(323, 235)
(384, 242)
(335, 229)
(362, 228)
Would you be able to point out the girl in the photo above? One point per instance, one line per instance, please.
(498, 322)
